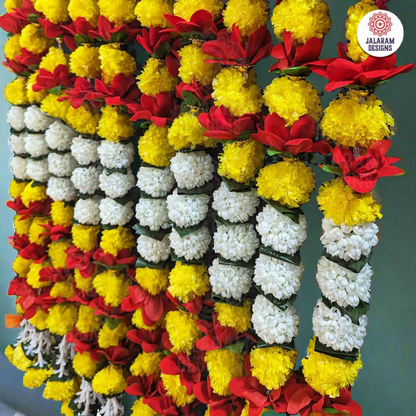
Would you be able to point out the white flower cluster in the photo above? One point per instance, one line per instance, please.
(349, 243)
(87, 211)
(16, 118)
(85, 151)
(35, 145)
(17, 143)
(38, 170)
(87, 179)
(113, 213)
(59, 136)
(236, 207)
(236, 242)
(193, 246)
(117, 185)
(152, 250)
(277, 277)
(273, 325)
(337, 331)
(152, 213)
(155, 182)
(61, 165)
(116, 155)
(343, 286)
(229, 281)
(18, 166)
(36, 120)
(192, 169)
(61, 189)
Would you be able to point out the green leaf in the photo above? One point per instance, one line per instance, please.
(162, 50)
(229, 301)
(335, 170)
(206, 189)
(354, 266)
(37, 183)
(192, 35)
(157, 235)
(145, 195)
(245, 135)
(145, 125)
(330, 410)
(274, 152)
(108, 171)
(283, 305)
(292, 213)
(297, 71)
(80, 39)
(249, 265)
(141, 263)
(148, 165)
(112, 323)
(236, 348)
(353, 313)
(267, 251)
(33, 67)
(118, 37)
(221, 221)
(346, 356)
(176, 258)
(287, 346)
(183, 232)
(114, 267)
(190, 99)
(55, 90)
(234, 186)
(33, 18)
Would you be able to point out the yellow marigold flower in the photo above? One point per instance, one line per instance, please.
(35, 377)
(16, 188)
(113, 286)
(88, 9)
(85, 237)
(20, 360)
(53, 58)
(55, 11)
(33, 194)
(118, 11)
(84, 365)
(111, 337)
(63, 289)
(61, 391)
(137, 321)
(153, 280)
(237, 91)
(55, 108)
(223, 366)
(147, 364)
(85, 61)
(12, 47)
(21, 266)
(34, 40)
(237, 317)
(9, 352)
(22, 226)
(10, 5)
(109, 381)
(248, 15)
(186, 132)
(141, 409)
(115, 125)
(150, 13)
(32, 96)
(62, 317)
(289, 183)
(19, 309)
(57, 253)
(84, 119)
(328, 375)
(62, 213)
(305, 20)
(353, 120)
(84, 284)
(154, 147)
(155, 78)
(176, 390)
(183, 331)
(87, 322)
(66, 410)
(241, 161)
(38, 320)
(186, 8)
(112, 241)
(193, 66)
(293, 98)
(115, 61)
(33, 275)
(16, 92)
(188, 281)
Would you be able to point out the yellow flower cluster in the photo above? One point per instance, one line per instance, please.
(85, 237)
(16, 188)
(16, 92)
(33, 39)
(54, 11)
(61, 318)
(147, 364)
(84, 365)
(112, 241)
(37, 228)
(115, 125)
(58, 109)
(33, 277)
(108, 337)
(61, 391)
(85, 61)
(88, 9)
(22, 226)
(53, 58)
(118, 11)
(176, 390)
(113, 286)
(63, 289)
(32, 96)
(186, 8)
(237, 317)
(35, 377)
(10, 5)
(57, 253)
(21, 266)
(84, 119)
(87, 322)
(141, 409)
(153, 280)
(150, 13)
(137, 321)
(109, 381)
(62, 213)
(39, 320)
(12, 47)
(18, 358)
(84, 284)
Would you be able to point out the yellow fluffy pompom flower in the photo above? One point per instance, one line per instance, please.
(62, 213)
(61, 391)
(18, 307)
(35, 377)
(137, 321)
(155, 78)
(354, 120)
(87, 322)
(247, 15)
(147, 364)
(188, 281)
(289, 183)
(237, 91)
(154, 147)
(57, 253)
(153, 281)
(16, 92)
(119, 12)
(20, 360)
(120, 238)
(176, 390)
(141, 409)
(304, 19)
(10, 5)
(66, 410)
(37, 228)
(22, 226)
(115, 125)
(16, 188)
(237, 317)
(85, 237)
(21, 266)
(108, 337)
(344, 206)
(109, 381)
(33, 277)
(186, 132)
(241, 161)
(113, 286)
(223, 366)
(150, 13)
(328, 375)
(58, 109)
(38, 320)
(186, 8)
(84, 365)
(62, 317)
(34, 40)
(84, 284)
(193, 66)
(293, 98)
(9, 352)
(55, 11)
(12, 47)
(115, 61)
(183, 331)
(273, 366)
(355, 14)
(33, 193)
(32, 96)
(63, 289)
(84, 119)
(88, 9)
(85, 61)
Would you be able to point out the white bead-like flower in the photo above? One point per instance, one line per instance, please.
(236, 242)
(337, 331)
(117, 184)
(61, 165)
(187, 210)
(349, 243)
(17, 143)
(36, 120)
(193, 246)
(229, 281)
(59, 136)
(152, 213)
(277, 277)
(87, 179)
(155, 182)
(16, 117)
(273, 325)
(61, 189)
(115, 154)
(38, 170)
(236, 207)
(35, 145)
(113, 213)
(87, 211)
(192, 170)
(85, 151)
(343, 286)
(18, 167)
(153, 251)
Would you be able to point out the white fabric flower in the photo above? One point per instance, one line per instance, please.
(343, 286)
(35, 145)
(116, 155)
(152, 213)
(155, 182)
(114, 213)
(187, 210)
(38, 170)
(273, 325)
(59, 136)
(277, 277)
(117, 184)
(87, 211)
(229, 281)
(16, 117)
(349, 243)
(87, 179)
(236, 242)
(85, 151)
(337, 331)
(17, 143)
(236, 207)
(36, 119)
(192, 169)
(152, 250)
(61, 165)
(61, 189)
(18, 167)
(193, 246)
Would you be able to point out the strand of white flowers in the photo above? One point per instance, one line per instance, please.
(86, 398)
